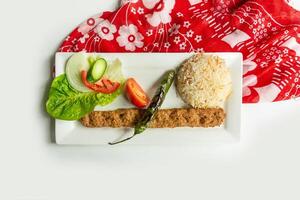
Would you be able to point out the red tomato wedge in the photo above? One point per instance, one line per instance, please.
(136, 94)
(104, 86)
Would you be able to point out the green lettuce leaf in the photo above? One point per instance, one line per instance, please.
(66, 103)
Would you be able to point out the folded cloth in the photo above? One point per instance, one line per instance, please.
(267, 33)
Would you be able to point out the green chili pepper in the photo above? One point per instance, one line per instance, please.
(155, 104)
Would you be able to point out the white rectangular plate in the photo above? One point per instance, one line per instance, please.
(147, 69)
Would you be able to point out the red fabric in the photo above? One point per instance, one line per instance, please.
(266, 32)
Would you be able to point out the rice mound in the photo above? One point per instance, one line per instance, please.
(204, 81)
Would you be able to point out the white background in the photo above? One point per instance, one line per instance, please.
(264, 165)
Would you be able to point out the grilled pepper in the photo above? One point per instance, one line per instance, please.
(155, 104)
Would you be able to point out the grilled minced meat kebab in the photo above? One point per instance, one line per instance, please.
(165, 118)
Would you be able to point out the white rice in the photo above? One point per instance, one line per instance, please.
(204, 81)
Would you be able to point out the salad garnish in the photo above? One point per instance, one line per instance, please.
(74, 94)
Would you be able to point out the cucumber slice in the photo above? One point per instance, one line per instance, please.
(97, 70)
(74, 66)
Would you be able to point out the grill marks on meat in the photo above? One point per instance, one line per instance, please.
(165, 118)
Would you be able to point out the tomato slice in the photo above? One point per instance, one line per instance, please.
(104, 86)
(136, 94)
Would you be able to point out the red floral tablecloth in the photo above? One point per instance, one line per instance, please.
(267, 32)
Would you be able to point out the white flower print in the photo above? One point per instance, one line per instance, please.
(186, 24)
(258, 27)
(149, 32)
(259, 21)
(96, 39)
(285, 51)
(263, 64)
(177, 40)
(278, 60)
(182, 46)
(287, 94)
(74, 41)
(167, 45)
(190, 33)
(133, 10)
(130, 38)
(160, 31)
(179, 14)
(174, 29)
(199, 50)
(161, 11)
(248, 81)
(155, 44)
(106, 30)
(76, 48)
(140, 10)
(89, 24)
(198, 38)
(82, 39)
